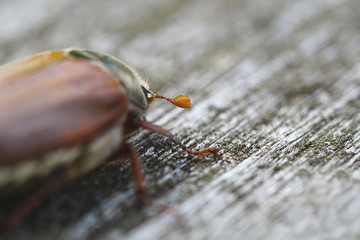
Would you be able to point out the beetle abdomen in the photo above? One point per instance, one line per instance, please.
(61, 105)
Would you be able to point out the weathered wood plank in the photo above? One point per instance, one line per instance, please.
(274, 85)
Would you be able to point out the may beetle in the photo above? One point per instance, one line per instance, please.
(62, 114)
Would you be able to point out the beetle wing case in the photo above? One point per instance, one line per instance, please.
(53, 106)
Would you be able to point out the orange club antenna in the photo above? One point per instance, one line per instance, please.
(180, 101)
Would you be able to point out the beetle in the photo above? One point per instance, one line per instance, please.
(62, 114)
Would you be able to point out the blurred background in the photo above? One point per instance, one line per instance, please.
(167, 39)
(275, 86)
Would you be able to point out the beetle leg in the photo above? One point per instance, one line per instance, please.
(127, 150)
(155, 128)
(53, 182)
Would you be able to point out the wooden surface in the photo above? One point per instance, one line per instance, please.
(274, 84)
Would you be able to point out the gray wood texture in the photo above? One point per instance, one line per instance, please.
(275, 86)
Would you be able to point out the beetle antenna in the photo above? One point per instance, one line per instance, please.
(180, 101)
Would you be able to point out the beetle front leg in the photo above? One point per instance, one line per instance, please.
(155, 128)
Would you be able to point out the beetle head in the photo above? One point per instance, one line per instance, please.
(136, 86)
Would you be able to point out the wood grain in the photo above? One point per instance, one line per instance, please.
(274, 85)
